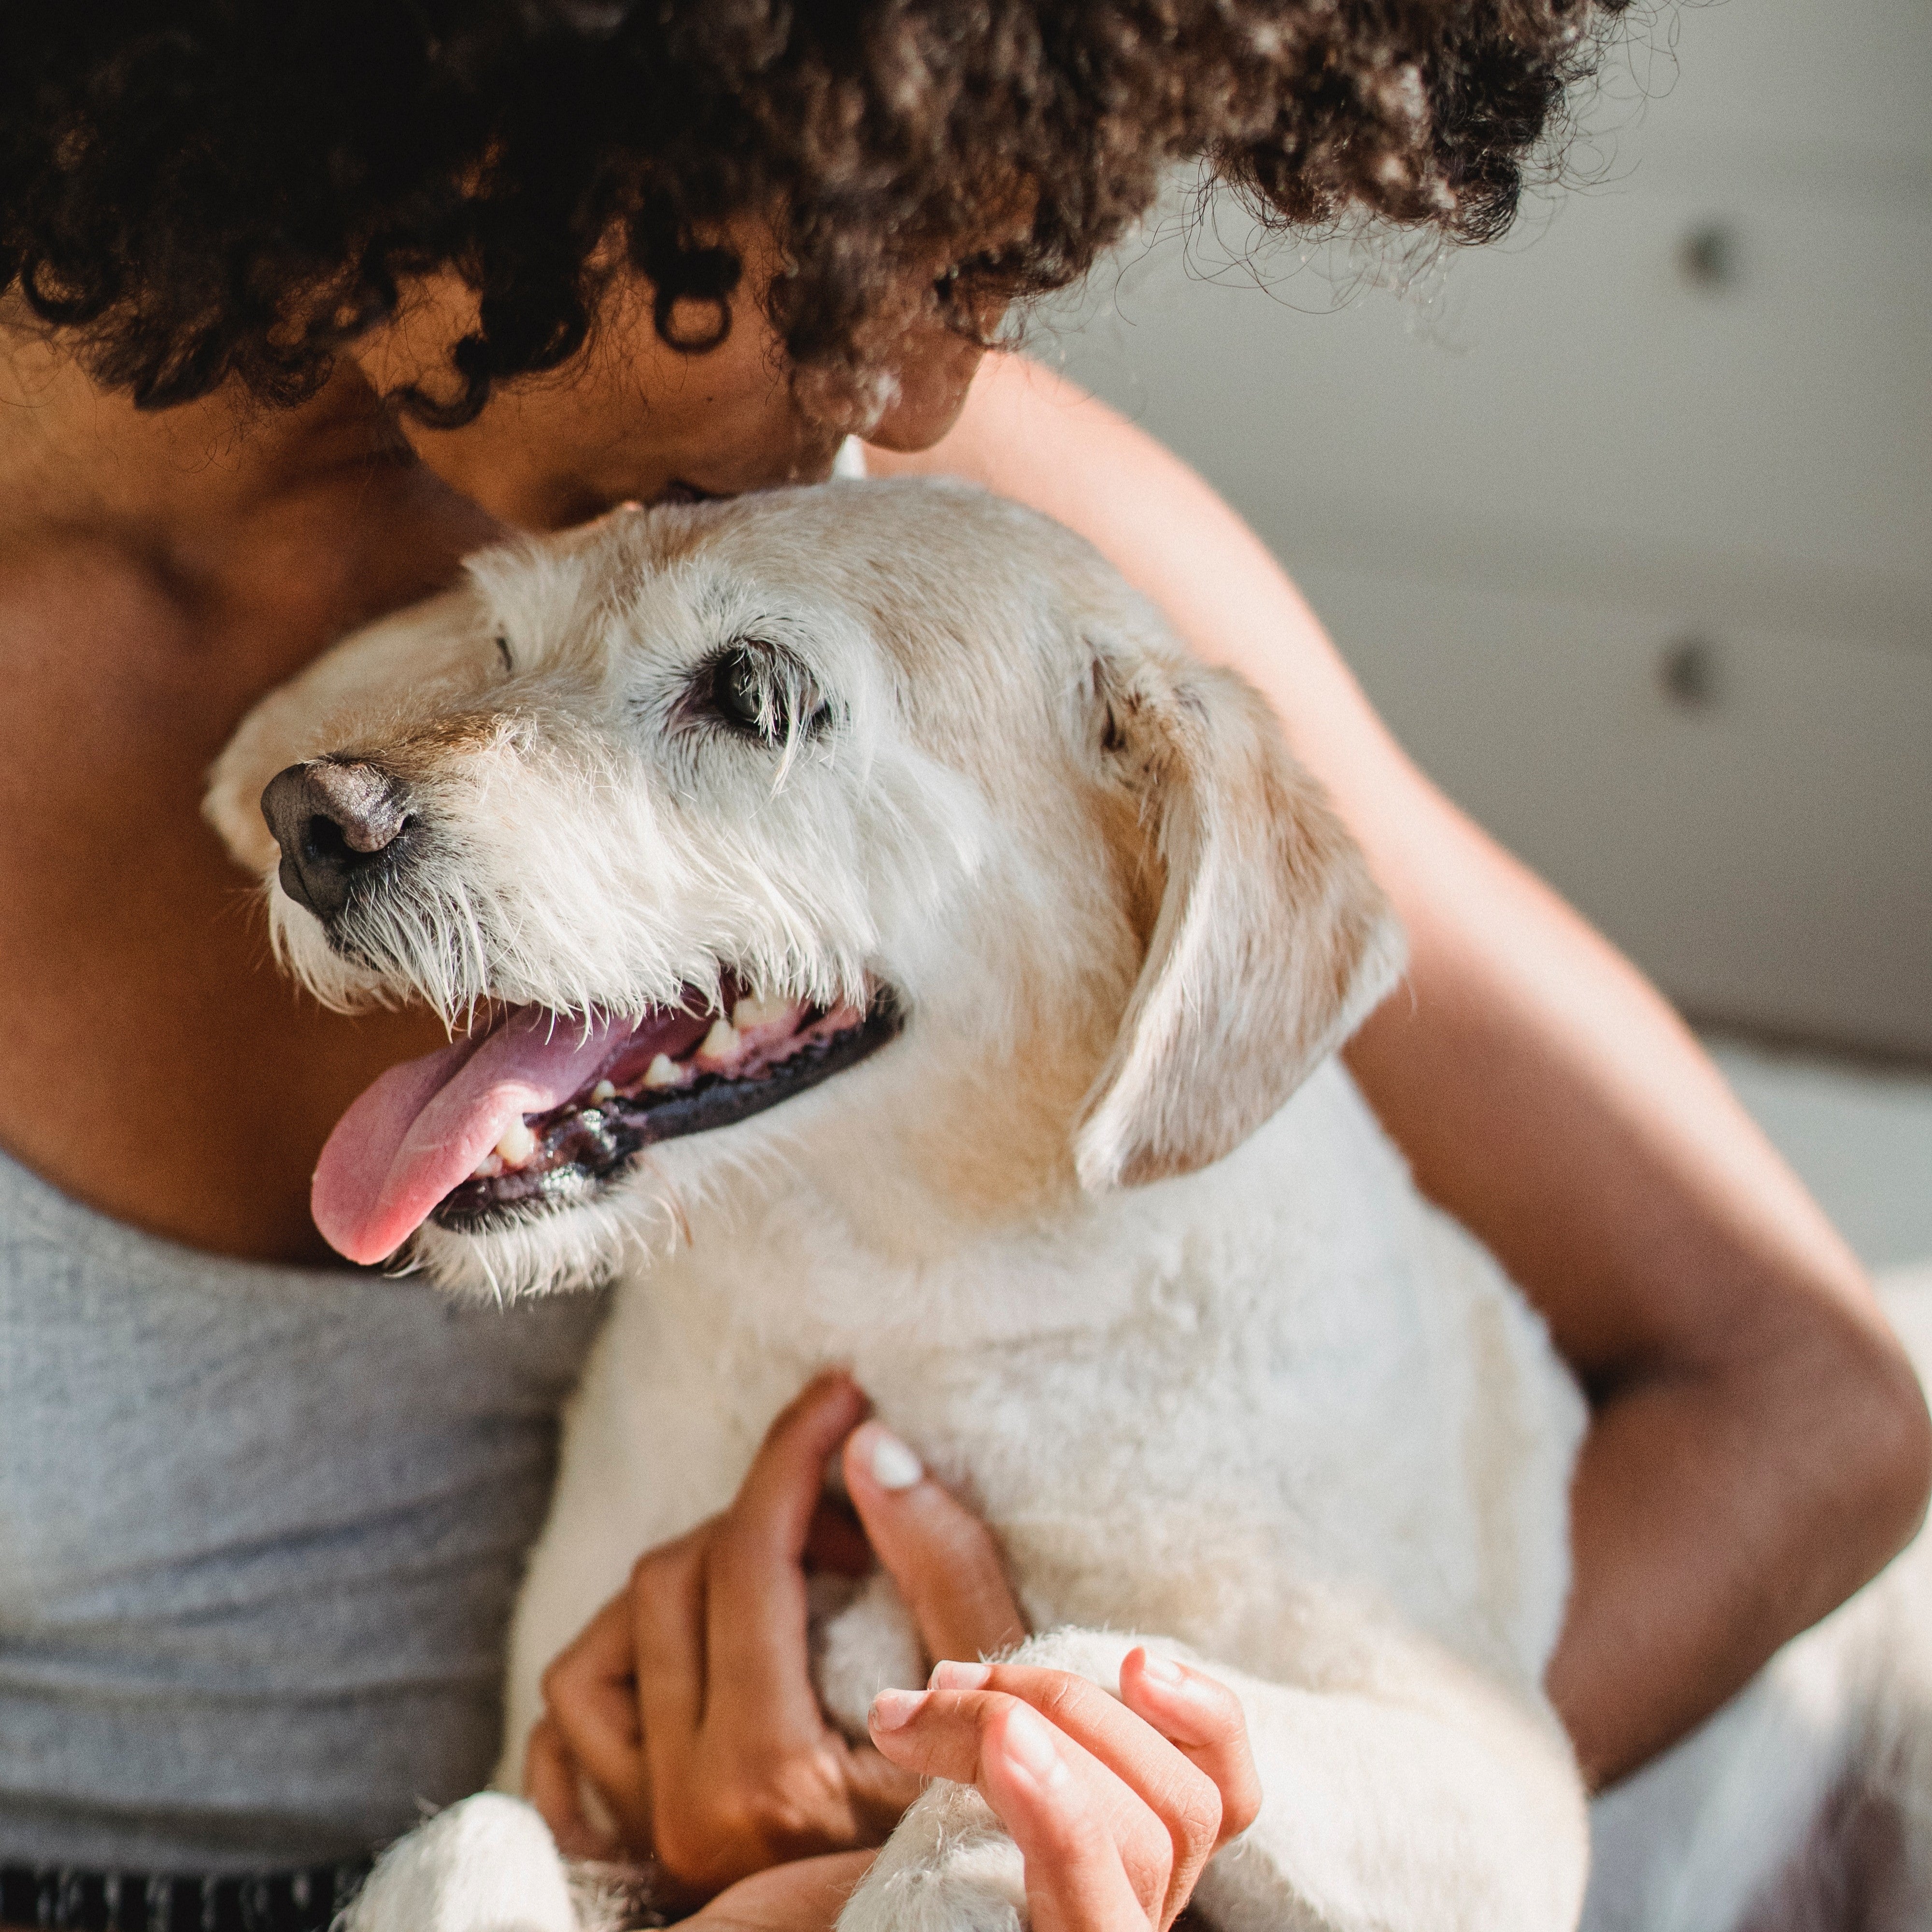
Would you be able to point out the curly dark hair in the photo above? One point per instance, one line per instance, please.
(200, 190)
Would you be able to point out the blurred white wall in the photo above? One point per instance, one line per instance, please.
(1860, 1137)
(1626, 522)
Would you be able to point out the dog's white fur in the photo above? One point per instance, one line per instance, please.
(1108, 1233)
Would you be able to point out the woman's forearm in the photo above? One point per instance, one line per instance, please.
(1715, 1517)
(1759, 1446)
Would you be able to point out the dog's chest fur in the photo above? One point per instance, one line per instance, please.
(1185, 1409)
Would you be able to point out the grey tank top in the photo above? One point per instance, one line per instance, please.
(260, 1528)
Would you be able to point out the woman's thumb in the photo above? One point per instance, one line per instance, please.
(943, 1558)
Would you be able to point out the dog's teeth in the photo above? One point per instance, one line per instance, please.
(488, 1167)
(752, 1012)
(604, 1091)
(664, 1071)
(721, 1043)
(518, 1144)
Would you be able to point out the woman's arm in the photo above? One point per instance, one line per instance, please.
(1759, 1446)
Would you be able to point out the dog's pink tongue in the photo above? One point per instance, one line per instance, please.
(422, 1127)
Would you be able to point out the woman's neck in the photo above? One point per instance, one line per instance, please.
(213, 494)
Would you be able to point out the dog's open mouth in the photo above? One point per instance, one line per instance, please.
(684, 1077)
(538, 1112)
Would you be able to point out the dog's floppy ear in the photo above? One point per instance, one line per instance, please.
(1271, 943)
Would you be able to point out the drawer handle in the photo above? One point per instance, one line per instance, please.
(1689, 670)
(1708, 257)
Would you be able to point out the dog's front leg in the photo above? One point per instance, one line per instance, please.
(1428, 1797)
(950, 1866)
(1431, 1799)
(488, 1864)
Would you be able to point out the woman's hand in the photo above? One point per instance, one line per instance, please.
(687, 1704)
(1115, 1806)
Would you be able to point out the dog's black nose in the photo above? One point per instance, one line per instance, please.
(332, 819)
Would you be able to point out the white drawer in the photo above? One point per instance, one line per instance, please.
(1765, 852)
(1574, 393)
(1781, 74)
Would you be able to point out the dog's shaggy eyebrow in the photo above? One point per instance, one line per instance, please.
(716, 598)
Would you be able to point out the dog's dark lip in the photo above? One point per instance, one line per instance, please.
(366, 885)
(375, 874)
(351, 950)
(598, 1142)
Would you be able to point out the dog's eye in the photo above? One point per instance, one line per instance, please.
(762, 692)
(503, 651)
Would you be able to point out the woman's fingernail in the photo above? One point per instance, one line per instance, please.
(951, 1675)
(1029, 1742)
(894, 1465)
(893, 1710)
(1162, 1669)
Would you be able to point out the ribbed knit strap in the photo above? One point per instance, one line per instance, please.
(64, 1898)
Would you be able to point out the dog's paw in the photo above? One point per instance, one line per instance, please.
(869, 1643)
(948, 1867)
(488, 1864)
(1096, 1655)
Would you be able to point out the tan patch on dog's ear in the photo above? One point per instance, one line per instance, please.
(1271, 943)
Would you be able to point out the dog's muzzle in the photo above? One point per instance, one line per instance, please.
(340, 823)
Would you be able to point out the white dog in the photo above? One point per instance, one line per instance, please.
(888, 947)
